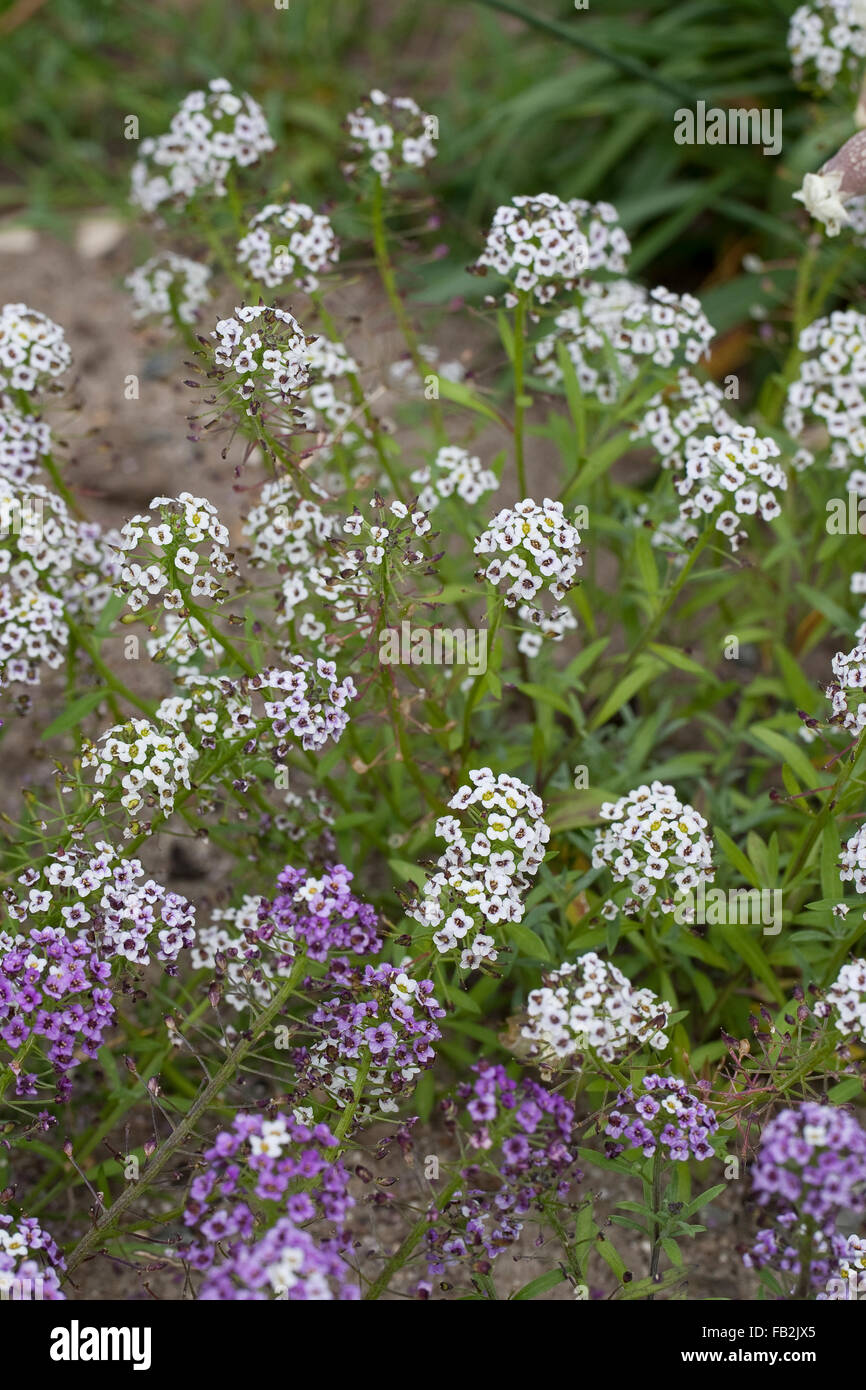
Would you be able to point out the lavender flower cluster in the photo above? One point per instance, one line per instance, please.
(526, 1136)
(259, 940)
(808, 1175)
(278, 1166)
(661, 1110)
(375, 1032)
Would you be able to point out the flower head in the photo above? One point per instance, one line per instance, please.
(390, 134)
(536, 244)
(481, 876)
(289, 244)
(656, 844)
(591, 1004)
(212, 131)
(169, 284)
(33, 349)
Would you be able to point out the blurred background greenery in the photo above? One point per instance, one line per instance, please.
(531, 96)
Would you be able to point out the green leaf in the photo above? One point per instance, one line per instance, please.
(461, 394)
(736, 857)
(646, 563)
(74, 713)
(788, 751)
(747, 946)
(675, 657)
(625, 689)
(528, 941)
(543, 1284)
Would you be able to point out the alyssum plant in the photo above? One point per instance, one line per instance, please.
(451, 937)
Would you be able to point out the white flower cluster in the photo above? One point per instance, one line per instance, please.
(653, 842)
(535, 550)
(128, 918)
(826, 39)
(392, 133)
(845, 694)
(33, 633)
(285, 529)
(830, 390)
(673, 417)
(50, 565)
(150, 759)
(171, 542)
(289, 244)
(24, 440)
(616, 328)
(324, 412)
(536, 244)
(609, 247)
(453, 471)
(845, 1000)
(168, 284)
(592, 1004)
(266, 348)
(211, 131)
(734, 472)
(33, 349)
(292, 536)
(481, 879)
(249, 972)
(312, 707)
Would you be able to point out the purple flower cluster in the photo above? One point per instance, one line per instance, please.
(259, 939)
(22, 1277)
(526, 1131)
(277, 1167)
(380, 1017)
(809, 1172)
(661, 1110)
(79, 912)
(322, 913)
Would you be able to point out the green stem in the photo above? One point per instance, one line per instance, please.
(184, 1128)
(389, 283)
(520, 400)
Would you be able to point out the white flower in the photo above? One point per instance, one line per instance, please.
(625, 322)
(820, 197)
(827, 43)
(592, 1004)
(471, 884)
(650, 838)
